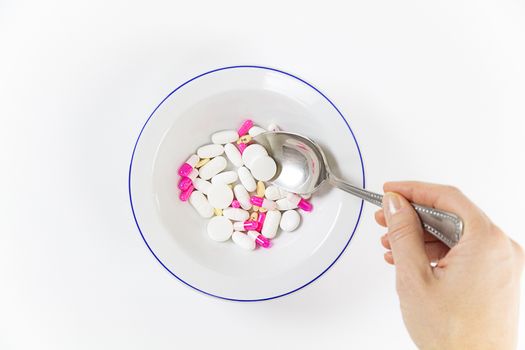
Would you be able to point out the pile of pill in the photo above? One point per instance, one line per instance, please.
(236, 198)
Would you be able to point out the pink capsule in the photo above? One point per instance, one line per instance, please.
(260, 239)
(246, 225)
(246, 125)
(186, 168)
(186, 181)
(300, 202)
(242, 147)
(260, 221)
(184, 195)
(263, 202)
(235, 204)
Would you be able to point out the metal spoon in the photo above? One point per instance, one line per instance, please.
(302, 167)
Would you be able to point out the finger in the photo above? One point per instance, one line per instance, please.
(384, 241)
(442, 197)
(389, 258)
(405, 234)
(380, 217)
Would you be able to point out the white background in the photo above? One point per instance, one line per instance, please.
(434, 91)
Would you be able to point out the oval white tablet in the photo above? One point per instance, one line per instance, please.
(242, 196)
(224, 136)
(210, 151)
(202, 185)
(220, 228)
(290, 219)
(226, 177)
(273, 193)
(236, 214)
(246, 179)
(242, 240)
(220, 196)
(271, 223)
(212, 168)
(285, 204)
(252, 152)
(201, 204)
(255, 130)
(263, 168)
(233, 154)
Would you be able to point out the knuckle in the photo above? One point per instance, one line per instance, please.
(453, 190)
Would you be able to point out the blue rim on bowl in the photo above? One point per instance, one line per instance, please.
(245, 67)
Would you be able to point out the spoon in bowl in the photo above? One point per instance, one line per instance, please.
(302, 167)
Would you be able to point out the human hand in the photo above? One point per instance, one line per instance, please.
(470, 299)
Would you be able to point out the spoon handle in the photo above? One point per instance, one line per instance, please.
(445, 226)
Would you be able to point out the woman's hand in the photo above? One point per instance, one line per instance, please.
(470, 299)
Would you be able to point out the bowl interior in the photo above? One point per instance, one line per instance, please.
(176, 234)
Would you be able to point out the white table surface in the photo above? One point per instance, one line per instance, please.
(434, 91)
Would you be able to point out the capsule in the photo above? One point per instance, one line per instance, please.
(235, 204)
(200, 203)
(245, 225)
(271, 223)
(246, 179)
(242, 196)
(186, 168)
(263, 202)
(242, 147)
(299, 202)
(184, 195)
(259, 239)
(260, 221)
(243, 240)
(224, 136)
(245, 127)
(214, 166)
(210, 151)
(236, 214)
(233, 154)
(226, 177)
(186, 181)
(202, 185)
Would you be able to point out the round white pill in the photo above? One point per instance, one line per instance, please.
(285, 204)
(242, 196)
(210, 151)
(212, 168)
(272, 193)
(247, 179)
(290, 220)
(224, 136)
(263, 168)
(243, 241)
(271, 223)
(202, 185)
(201, 204)
(226, 177)
(220, 228)
(253, 152)
(236, 214)
(220, 196)
(233, 154)
(255, 130)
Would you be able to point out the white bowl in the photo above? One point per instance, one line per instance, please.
(176, 234)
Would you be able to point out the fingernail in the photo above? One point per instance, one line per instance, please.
(391, 205)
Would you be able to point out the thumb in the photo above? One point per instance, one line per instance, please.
(405, 234)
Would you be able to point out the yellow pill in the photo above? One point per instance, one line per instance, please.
(263, 210)
(244, 139)
(260, 189)
(217, 211)
(202, 162)
(254, 216)
(255, 208)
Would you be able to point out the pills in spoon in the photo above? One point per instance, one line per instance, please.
(227, 182)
